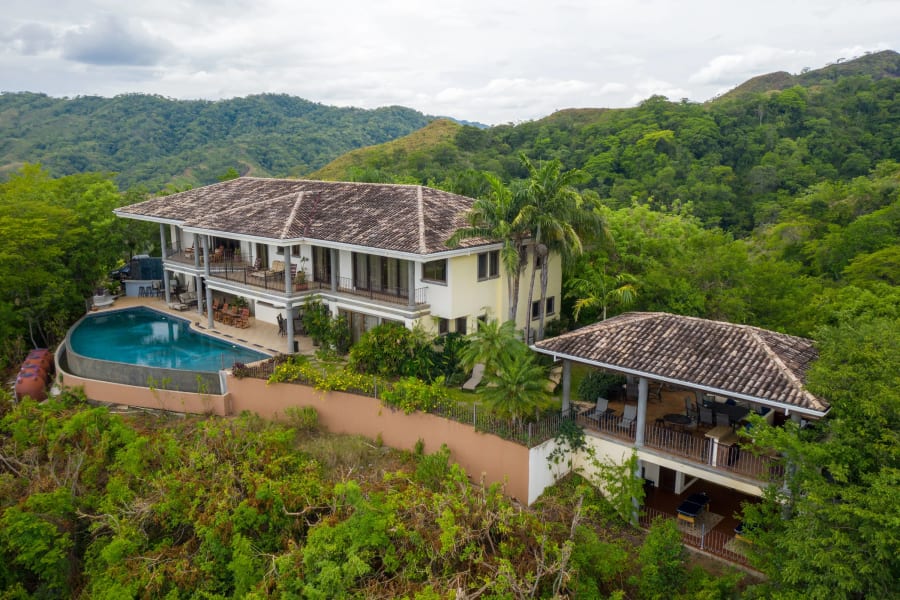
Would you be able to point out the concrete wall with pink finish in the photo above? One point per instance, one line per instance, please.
(481, 455)
(158, 399)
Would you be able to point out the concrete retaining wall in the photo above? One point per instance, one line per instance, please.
(481, 455)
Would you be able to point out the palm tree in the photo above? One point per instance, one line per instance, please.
(598, 290)
(554, 214)
(517, 388)
(495, 217)
(489, 342)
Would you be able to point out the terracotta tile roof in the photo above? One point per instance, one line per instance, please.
(403, 218)
(736, 360)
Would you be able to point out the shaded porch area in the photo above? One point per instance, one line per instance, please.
(672, 426)
(714, 530)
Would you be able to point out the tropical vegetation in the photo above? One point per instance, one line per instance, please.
(772, 206)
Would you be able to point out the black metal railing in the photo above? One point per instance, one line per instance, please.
(393, 295)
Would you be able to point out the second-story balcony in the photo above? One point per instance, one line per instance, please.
(273, 282)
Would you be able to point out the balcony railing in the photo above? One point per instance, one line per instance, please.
(273, 282)
(394, 295)
(697, 449)
(719, 543)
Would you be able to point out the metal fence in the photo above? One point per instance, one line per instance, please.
(715, 542)
(527, 433)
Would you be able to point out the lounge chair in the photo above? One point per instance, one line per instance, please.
(554, 378)
(601, 410)
(629, 416)
(475, 379)
(188, 298)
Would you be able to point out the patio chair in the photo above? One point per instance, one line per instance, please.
(475, 379)
(629, 416)
(219, 315)
(243, 319)
(282, 324)
(601, 410)
(689, 408)
(706, 416)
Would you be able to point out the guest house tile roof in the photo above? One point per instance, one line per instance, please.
(727, 359)
(402, 218)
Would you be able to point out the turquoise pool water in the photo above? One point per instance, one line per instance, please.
(142, 336)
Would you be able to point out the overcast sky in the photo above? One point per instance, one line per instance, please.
(480, 60)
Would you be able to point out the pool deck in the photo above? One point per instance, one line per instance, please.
(260, 336)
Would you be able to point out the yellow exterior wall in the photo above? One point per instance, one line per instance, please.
(466, 296)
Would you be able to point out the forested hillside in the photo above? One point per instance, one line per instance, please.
(153, 141)
(736, 160)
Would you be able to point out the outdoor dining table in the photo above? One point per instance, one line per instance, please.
(677, 419)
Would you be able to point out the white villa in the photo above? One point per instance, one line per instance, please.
(371, 252)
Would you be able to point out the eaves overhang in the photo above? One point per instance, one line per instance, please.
(788, 408)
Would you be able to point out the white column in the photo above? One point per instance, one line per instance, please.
(643, 386)
(209, 318)
(566, 385)
(289, 315)
(287, 270)
(162, 242)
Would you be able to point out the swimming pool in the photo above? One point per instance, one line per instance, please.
(142, 336)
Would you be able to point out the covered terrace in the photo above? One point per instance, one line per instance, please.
(692, 383)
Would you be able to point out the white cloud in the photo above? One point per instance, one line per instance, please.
(481, 60)
(30, 39)
(731, 68)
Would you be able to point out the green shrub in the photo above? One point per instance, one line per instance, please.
(317, 321)
(599, 384)
(340, 335)
(663, 561)
(411, 394)
(302, 371)
(448, 349)
(434, 468)
(393, 350)
(303, 418)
